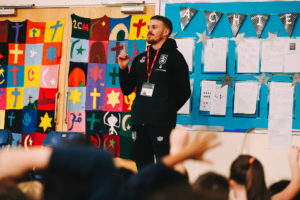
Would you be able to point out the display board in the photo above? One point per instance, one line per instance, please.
(243, 52)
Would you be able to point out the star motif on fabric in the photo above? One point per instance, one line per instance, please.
(240, 37)
(295, 78)
(226, 80)
(52, 82)
(263, 79)
(80, 50)
(103, 23)
(1, 56)
(51, 53)
(2, 72)
(172, 36)
(112, 143)
(32, 53)
(96, 73)
(272, 36)
(75, 96)
(202, 37)
(113, 98)
(45, 122)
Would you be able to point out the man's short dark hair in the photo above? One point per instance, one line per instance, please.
(165, 21)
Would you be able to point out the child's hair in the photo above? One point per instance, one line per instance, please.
(248, 170)
(211, 186)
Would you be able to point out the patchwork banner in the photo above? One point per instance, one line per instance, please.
(96, 104)
(30, 54)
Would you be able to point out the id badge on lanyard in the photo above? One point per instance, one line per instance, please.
(147, 87)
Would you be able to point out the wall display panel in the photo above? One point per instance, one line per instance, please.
(272, 28)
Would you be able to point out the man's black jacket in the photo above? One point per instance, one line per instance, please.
(170, 75)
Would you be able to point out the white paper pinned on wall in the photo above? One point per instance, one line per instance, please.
(248, 56)
(280, 115)
(215, 55)
(186, 108)
(292, 55)
(272, 56)
(187, 47)
(245, 97)
(280, 55)
(213, 98)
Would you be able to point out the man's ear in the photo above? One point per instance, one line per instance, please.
(166, 32)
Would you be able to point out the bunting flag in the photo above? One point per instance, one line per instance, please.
(96, 104)
(30, 54)
(212, 19)
(259, 22)
(236, 21)
(288, 20)
(186, 15)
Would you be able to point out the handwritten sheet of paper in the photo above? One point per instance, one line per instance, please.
(185, 109)
(207, 90)
(187, 47)
(245, 97)
(272, 56)
(280, 115)
(292, 55)
(215, 55)
(248, 56)
(213, 98)
(219, 101)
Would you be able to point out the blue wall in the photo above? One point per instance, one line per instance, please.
(223, 29)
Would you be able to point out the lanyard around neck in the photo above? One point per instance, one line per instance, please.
(151, 68)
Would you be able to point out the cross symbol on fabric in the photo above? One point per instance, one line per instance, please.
(16, 53)
(15, 70)
(11, 117)
(16, 93)
(95, 94)
(117, 48)
(55, 27)
(114, 75)
(17, 27)
(93, 120)
(139, 26)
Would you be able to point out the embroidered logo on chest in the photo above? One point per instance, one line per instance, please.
(143, 59)
(162, 59)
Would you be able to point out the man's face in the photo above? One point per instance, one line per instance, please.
(156, 31)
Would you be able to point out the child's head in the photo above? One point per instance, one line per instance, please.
(211, 186)
(248, 171)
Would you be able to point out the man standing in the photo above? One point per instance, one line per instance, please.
(161, 79)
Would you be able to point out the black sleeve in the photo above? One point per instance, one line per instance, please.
(128, 79)
(151, 178)
(181, 80)
(92, 166)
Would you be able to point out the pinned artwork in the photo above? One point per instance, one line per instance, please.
(94, 87)
(30, 55)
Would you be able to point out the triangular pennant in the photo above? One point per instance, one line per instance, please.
(186, 15)
(212, 19)
(236, 21)
(259, 22)
(288, 20)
